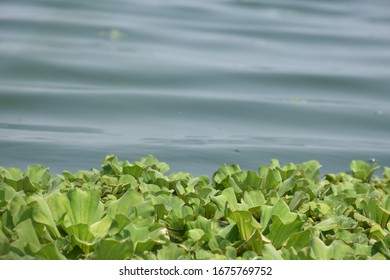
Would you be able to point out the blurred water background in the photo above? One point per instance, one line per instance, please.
(196, 83)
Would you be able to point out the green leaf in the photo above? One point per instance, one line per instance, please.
(281, 209)
(50, 252)
(126, 204)
(311, 169)
(255, 242)
(270, 253)
(195, 234)
(111, 165)
(14, 174)
(6, 194)
(202, 223)
(299, 240)
(127, 179)
(210, 210)
(14, 177)
(161, 211)
(59, 204)
(386, 173)
(383, 247)
(240, 181)
(84, 207)
(298, 199)
(18, 208)
(41, 214)
(254, 198)
(252, 181)
(27, 238)
(81, 236)
(101, 228)
(81, 232)
(117, 225)
(152, 162)
(231, 253)
(338, 250)
(377, 232)
(206, 255)
(223, 174)
(171, 252)
(134, 170)
(319, 251)
(271, 179)
(227, 199)
(375, 212)
(245, 222)
(5, 245)
(286, 186)
(362, 170)
(280, 231)
(140, 236)
(111, 249)
(250, 255)
(38, 176)
(336, 223)
(230, 232)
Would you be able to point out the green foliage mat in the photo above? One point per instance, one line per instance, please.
(137, 211)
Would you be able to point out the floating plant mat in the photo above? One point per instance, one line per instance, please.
(139, 211)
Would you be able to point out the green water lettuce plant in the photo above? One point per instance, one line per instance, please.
(138, 211)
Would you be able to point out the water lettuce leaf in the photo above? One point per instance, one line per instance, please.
(42, 214)
(280, 230)
(111, 249)
(363, 170)
(375, 212)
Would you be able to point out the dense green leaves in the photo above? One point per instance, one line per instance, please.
(363, 170)
(137, 211)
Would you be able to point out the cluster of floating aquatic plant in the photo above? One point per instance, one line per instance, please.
(138, 211)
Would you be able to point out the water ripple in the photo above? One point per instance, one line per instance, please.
(197, 83)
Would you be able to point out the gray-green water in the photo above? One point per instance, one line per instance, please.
(197, 83)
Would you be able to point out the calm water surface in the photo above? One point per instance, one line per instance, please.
(196, 83)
